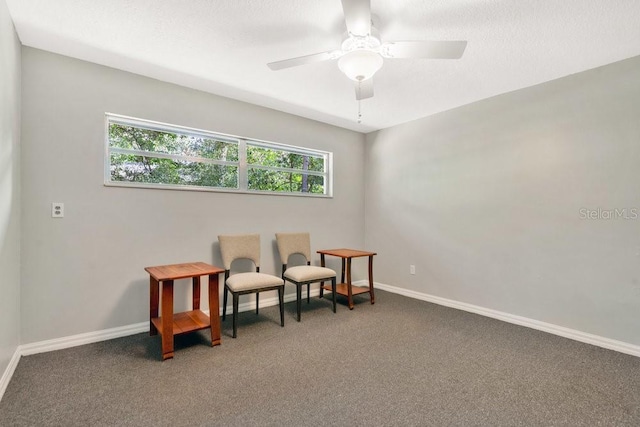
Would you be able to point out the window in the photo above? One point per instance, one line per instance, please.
(141, 153)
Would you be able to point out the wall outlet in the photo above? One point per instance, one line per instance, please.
(57, 210)
(412, 269)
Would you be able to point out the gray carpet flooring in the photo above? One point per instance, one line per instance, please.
(398, 362)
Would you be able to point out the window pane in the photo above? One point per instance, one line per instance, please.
(283, 159)
(287, 182)
(134, 168)
(133, 138)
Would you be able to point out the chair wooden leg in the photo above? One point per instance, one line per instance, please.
(257, 301)
(235, 314)
(333, 289)
(281, 298)
(308, 292)
(298, 298)
(224, 304)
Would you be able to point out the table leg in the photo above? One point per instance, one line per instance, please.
(167, 319)
(349, 292)
(196, 292)
(214, 309)
(322, 283)
(373, 298)
(154, 301)
(342, 278)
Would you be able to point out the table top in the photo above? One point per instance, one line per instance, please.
(182, 271)
(346, 253)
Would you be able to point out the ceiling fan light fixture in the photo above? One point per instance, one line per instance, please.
(360, 64)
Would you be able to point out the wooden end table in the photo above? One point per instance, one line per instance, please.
(168, 323)
(345, 288)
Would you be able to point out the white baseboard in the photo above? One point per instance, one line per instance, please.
(573, 334)
(108, 334)
(81, 339)
(8, 373)
(123, 331)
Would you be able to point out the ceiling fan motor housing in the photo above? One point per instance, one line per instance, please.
(361, 58)
(369, 41)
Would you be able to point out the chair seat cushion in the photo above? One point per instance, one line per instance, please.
(248, 281)
(305, 273)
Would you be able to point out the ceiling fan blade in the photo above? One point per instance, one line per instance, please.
(357, 16)
(364, 89)
(424, 49)
(307, 59)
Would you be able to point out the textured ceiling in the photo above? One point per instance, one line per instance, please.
(223, 46)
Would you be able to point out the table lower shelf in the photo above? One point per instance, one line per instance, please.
(184, 322)
(342, 289)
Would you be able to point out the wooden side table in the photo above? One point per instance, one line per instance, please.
(345, 288)
(169, 324)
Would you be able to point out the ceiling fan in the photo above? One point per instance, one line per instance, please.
(362, 52)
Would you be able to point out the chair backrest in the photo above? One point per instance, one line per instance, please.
(293, 243)
(241, 246)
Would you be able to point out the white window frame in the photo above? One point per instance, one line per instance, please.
(241, 164)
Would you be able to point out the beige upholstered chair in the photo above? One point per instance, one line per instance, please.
(246, 246)
(300, 243)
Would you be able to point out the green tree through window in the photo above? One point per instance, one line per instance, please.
(284, 171)
(163, 156)
(135, 150)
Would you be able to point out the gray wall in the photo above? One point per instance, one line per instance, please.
(486, 201)
(84, 272)
(9, 189)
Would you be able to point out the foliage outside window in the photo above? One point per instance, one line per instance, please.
(142, 153)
